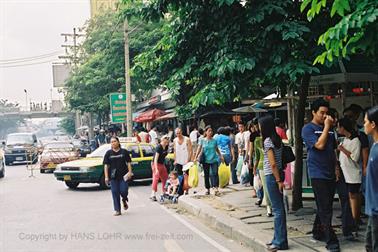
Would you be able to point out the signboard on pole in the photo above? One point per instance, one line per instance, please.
(118, 107)
(61, 72)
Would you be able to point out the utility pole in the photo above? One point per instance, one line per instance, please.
(74, 61)
(129, 122)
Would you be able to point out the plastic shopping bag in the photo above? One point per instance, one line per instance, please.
(257, 184)
(224, 175)
(244, 177)
(239, 165)
(193, 176)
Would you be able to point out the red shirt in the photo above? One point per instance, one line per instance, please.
(282, 133)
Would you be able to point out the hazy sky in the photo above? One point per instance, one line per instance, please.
(30, 28)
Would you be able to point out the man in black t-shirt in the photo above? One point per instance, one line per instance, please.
(117, 167)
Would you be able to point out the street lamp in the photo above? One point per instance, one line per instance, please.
(26, 99)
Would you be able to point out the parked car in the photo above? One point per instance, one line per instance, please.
(83, 146)
(91, 168)
(20, 148)
(2, 165)
(55, 153)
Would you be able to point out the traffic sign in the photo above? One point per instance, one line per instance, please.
(118, 107)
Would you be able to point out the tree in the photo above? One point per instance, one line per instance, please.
(355, 32)
(68, 125)
(101, 68)
(213, 52)
(7, 122)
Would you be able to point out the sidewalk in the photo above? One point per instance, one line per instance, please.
(235, 215)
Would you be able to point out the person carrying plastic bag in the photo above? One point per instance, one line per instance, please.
(207, 154)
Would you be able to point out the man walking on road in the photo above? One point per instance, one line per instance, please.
(321, 162)
(117, 165)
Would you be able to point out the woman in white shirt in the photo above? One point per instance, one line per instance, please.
(349, 158)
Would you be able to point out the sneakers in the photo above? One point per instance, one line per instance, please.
(153, 198)
(117, 213)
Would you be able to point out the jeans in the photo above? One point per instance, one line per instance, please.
(233, 170)
(346, 212)
(372, 234)
(211, 175)
(324, 191)
(278, 207)
(119, 188)
(260, 192)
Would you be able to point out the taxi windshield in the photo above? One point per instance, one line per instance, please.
(100, 151)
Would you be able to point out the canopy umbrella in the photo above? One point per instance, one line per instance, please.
(249, 109)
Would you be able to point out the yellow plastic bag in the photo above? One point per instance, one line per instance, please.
(224, 175)
(193, 176)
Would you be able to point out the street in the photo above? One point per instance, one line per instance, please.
(41, 214)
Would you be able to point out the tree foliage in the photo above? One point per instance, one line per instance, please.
(102, 67)
(215, 52)
(8, 123)
(68, 125)
(355, 32)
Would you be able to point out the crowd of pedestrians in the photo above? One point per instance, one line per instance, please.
(341, 157)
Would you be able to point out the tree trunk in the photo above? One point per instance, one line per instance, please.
(298, 172)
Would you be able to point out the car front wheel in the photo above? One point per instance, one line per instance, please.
(72, 185)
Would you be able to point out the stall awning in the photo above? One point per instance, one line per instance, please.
(149, 115)
(168, 116)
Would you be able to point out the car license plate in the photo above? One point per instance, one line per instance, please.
(67, 177)
(19, 158)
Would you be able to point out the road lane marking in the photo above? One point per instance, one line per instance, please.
(197, 231)
(172, 246)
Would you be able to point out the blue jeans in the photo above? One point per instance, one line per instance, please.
(371, 244)
(260, 192)
(278, 208)
(120, 188)
(211, 173)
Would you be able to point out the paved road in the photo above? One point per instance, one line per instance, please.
(41, 214)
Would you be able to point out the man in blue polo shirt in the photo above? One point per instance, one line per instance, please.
(321, 162)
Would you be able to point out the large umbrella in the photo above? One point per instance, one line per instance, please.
(249, 109)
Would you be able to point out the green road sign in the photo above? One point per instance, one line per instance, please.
(118, 107)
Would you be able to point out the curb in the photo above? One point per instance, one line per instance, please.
(228, 226)
(233, 228)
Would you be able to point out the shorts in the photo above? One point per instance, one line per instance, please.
(353, 188)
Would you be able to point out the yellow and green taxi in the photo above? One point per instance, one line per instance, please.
(91, 168)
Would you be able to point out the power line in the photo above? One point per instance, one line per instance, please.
(16, 60)
(29, 64)
(27, 61)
